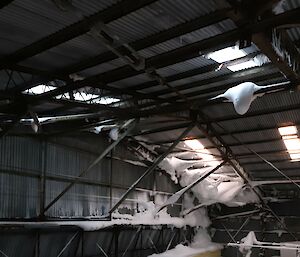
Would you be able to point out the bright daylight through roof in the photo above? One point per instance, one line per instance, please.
(231, 53)
(291, 140)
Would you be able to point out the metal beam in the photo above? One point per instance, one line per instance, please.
(159, 61)
(71, 179)
(269, 172)
(163, 129)
(74, 30)
(176, 31)
(189, 51)
(175, 197)
(292, 107)
(152, 167)
(4, 3)
(234, 163)
(194, 72)
(239, 75)
(272, 152)
(262, 162)
(224, 150)
(264, 43)
(95, 162)
(212, 91)
(67, 244)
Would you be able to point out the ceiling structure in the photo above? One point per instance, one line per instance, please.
(111, 61)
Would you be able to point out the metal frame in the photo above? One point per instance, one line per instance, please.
(78, 245)
(96, 161)
(152, 167)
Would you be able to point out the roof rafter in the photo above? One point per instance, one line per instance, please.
(160, 37)
(263, 42)
(4, 3)
(183, 53)
(81, 27)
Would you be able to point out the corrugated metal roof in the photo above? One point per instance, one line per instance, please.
(294, 33)
(194, 63)
(25, 18)
(160, 15)
(290, 4)
(24, 22)
(189, 38)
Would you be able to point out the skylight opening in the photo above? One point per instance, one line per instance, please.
(39, 89)
(292, 144)
(90, 98)
(242, 66)
(231, 53)
(107, 100)
(194, 144)
(226, 54)
(203, 153)
(289, 130)
(291, 141)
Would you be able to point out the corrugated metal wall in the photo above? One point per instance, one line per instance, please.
(23, 160)
(71, 241)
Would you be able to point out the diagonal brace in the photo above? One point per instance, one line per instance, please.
(152, 167)
(96, 161)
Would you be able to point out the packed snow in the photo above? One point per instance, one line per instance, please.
(241, 96)
(146, 217)
(201, 243)
(216, 188)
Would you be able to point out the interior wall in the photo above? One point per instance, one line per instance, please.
(24, 160)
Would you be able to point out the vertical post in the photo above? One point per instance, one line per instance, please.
(152, 167)
(37, 244)
(43, 178)
(111, 178)
(93, 164)
(82, 243)
(116, 242)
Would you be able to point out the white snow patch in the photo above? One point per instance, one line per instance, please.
(241, 96)
(201, 243)
(218, 188)
(174, 166)
(146, 217)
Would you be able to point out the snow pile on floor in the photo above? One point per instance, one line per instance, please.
(201, 243)
(247, 242)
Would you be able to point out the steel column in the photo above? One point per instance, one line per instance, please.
(43, 178)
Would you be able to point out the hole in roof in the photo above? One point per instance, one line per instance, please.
(232, 53)
(77, 95)
(291, 141)
(200, 150)
(39, 89)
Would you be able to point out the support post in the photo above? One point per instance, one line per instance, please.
(111, 178)
(96, 161)
(116, 235)
(43, 179)
(152, 167)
